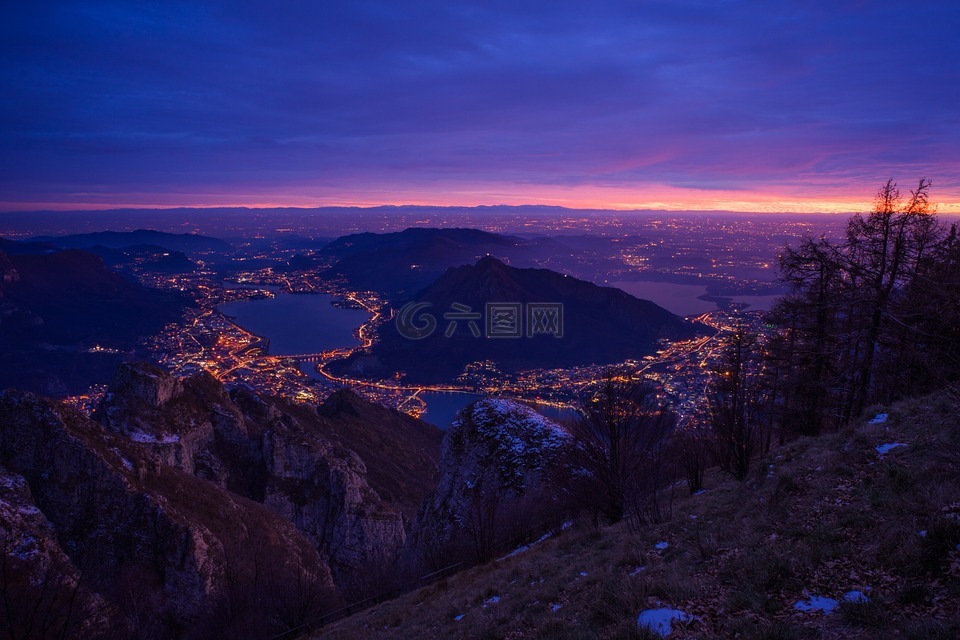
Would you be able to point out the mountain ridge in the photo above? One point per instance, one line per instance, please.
(601, 325)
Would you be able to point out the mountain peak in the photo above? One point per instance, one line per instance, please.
(601, 325)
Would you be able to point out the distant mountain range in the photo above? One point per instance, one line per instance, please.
(600, 325)
(54, 307)
(400, 264)
(189, 243)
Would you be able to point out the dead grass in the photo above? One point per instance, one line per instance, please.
(829, 516)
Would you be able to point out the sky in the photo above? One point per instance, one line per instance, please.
(714, 104)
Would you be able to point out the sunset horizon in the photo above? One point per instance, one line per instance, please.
(674, 200)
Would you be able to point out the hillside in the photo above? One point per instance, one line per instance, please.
(601, 325)
(818, 518)
(401, 263)
(54, 307)
(185, 242)
(191, 511)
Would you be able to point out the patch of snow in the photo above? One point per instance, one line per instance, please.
(884, 449)
(518, 437)
(816, 603)
(922, 533)
(26, 548)
(146, 438)
(555, 607)
(880, 418)
(855, 596)
(583, 574)
(126, 463)
(638, 570)
(566, 525)
(491, 600)
(459, 617)
(660, 546)
(525, 547)
(701, 492)
(660, 621)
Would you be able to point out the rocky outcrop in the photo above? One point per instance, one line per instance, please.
(8, 274)
(308, 466)
(147, 384)
(114, 513)
(500, 462)
(324, 492)
(181, 504)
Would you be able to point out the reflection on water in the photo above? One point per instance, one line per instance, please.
(297, 323)
(683, 299)
(442, 407)
(757, 303)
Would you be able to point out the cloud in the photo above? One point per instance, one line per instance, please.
(176, 96)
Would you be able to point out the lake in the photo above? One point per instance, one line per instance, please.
(442, 407)
(683, 299)
(297, 323)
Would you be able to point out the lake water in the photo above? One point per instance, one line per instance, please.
(757, 303)
(297, 323)
(442, 407)
(683, 299)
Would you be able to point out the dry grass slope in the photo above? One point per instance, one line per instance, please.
(818, 517)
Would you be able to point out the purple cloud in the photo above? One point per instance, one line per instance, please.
(292, 98)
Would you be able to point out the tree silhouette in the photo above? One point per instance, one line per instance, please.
(621, 436)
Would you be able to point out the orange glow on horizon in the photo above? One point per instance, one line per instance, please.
(585, 197)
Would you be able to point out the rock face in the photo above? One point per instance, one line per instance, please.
(7, 273)
(147, 384)
(211, 499)
(300, 462)
(501, 465)
(115, 516)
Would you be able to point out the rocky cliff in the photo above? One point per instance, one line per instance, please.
(301, 462)
(213, 502)
(115, 515)
(501, 470)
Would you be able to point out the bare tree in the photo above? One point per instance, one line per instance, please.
(621, 437)
(883, 250)
(861, 323)
(693, 452)
(39, 598)
(736, 400)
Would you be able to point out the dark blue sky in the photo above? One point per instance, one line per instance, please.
(739, 105)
